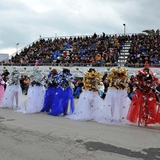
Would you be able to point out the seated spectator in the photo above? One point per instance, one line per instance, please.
(141, 61)
(36, 63)
(85, 48)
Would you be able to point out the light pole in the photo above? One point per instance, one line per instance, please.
(124, 28)
(17, 47)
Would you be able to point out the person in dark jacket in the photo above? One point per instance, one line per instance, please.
(5, 76)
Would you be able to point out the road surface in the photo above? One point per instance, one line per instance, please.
(43, 137)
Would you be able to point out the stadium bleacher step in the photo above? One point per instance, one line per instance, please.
(124, 53)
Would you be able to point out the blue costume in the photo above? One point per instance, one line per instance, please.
(52, 83)
(64, 100)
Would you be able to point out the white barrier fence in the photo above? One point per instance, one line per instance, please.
(76, 71)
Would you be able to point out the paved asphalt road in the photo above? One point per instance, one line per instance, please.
(42, 137)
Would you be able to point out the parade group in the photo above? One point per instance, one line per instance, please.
(54, 95)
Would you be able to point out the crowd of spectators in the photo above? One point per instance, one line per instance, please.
(144, 48)
(95, 50)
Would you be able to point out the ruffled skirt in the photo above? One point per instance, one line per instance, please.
(35, 100)
(144, 108)
(63, 102)
(115, 107)
(88, 103)
(13, 97)
(49, 98)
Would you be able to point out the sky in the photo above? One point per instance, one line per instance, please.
(23, 21)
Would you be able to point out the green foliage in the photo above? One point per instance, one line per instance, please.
(152, 31)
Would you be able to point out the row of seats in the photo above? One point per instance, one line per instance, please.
(98, 50)
(144, 48)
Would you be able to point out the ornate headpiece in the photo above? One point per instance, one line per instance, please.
(91, 79)
(118, 77)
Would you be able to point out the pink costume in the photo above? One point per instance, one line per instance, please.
(1, 87)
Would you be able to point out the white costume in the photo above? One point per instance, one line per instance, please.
(89, 100)
(13, 97)
(35, 94)
(116, 102)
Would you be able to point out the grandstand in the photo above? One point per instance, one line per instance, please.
(98, 50)
(102, 51)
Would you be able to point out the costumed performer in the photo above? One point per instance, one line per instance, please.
(116, 101)
(63, 102)
(144, 108)
(89, 99)
(13, 97)
(2, 83)
(52, 84)
(35, 94)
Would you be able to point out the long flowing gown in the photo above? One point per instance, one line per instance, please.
(35, 94)
(52, 83)
(89, 100)
(115, 107)
(63, 102)
(35, 99)
(116, 102)
(144, 109)
(13, 97)
(88, 103)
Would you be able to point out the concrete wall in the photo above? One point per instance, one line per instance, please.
(76, 71)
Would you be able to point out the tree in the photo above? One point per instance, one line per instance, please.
(152, 32)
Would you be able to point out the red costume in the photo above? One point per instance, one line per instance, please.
(144, 108)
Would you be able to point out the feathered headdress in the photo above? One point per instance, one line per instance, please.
(91, 79)
(118, 77)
